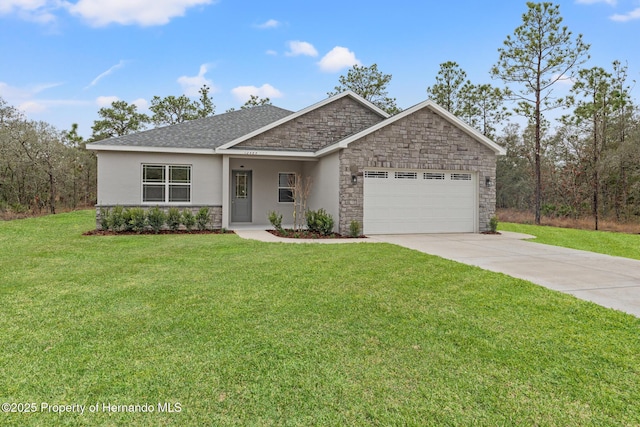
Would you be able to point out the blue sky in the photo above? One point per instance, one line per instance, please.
(64, 59)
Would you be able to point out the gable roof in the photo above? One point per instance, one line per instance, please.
(206, 133)
(304, 111)
(475, 134)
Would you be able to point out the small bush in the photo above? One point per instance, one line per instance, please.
(320, 221)
(202, 218)
(188, 219)
(276, 220)
(173, 218)
(493, 224)
(117, 220)
(156, 218)
(104, 218)
(354, 229)
(136, 219)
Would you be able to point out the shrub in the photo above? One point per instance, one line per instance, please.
(104, 218)
(493, 224)
(188, 219)
(319, 221)
(276, 220)
(156, 218)
(173, 218)
(117, 220)
(202, 218)
(354, 229)
(136, 219)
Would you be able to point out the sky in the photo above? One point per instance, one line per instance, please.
(62, 60)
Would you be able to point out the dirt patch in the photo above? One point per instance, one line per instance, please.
(524, 217)
(151, 232)
(306, 234)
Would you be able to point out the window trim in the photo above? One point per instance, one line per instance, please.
(286, 188)
(167, 184)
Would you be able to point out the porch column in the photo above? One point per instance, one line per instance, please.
(225, 191)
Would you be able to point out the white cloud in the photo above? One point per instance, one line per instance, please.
(127, 12)
(630, 16)
(338, 58)
(191, 85)
(271, 23)
(105, 74)
(106, 101)
(271, 52)
(297, 48)
(24, 98)
(243, 93)
(30, 10)
(141, 103)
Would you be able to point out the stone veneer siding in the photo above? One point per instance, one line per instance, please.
(215, 213)
(422, 140)
(318, 128)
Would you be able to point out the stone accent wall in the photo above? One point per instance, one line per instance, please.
(215, 213)
(318, 128)
(422, 140)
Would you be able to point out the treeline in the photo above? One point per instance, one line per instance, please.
(587, 164)
(42, 168)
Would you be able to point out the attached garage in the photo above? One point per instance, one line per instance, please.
(400, 201)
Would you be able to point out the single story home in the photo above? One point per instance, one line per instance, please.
(419, 171)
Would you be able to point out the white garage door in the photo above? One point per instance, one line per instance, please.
(406, 201)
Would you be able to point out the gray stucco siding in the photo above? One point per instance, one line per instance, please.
(120, 176)
(325, 176)
(423, 140)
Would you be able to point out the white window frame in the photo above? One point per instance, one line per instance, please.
(167, 183)
(288, 187)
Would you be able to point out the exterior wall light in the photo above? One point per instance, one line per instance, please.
(487, 181)
(354, 179)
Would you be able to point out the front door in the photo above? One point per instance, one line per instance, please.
(240, 196)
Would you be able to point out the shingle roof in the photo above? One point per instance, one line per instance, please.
(209, 132)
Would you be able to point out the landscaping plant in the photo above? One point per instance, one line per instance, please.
(188, 219)
(276, 220)
(319, 221)
(156, 218)
(354, 229)
(202, 218)
(173, 218)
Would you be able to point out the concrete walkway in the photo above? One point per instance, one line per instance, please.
(612, 282)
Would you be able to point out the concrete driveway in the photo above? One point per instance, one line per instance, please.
(606, 280)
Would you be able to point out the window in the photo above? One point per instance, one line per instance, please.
(434, 175)
(376, 174)
(286, 182)
(406, 175)
(461, 176)
(166, 183)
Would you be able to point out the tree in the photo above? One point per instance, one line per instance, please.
(449, 82)
(120, 119)
(539, 54)
(482, 106)
(172, 110)
(370, 84)
(255, 101)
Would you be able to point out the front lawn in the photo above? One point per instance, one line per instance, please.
(604, 242)
(226, 331)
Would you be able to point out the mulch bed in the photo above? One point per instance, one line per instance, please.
(490, 232)
(131, 233)
(306, 234)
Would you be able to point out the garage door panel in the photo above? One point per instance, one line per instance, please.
(432, 202)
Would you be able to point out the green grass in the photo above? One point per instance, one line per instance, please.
(248, 333)
(604, 242)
